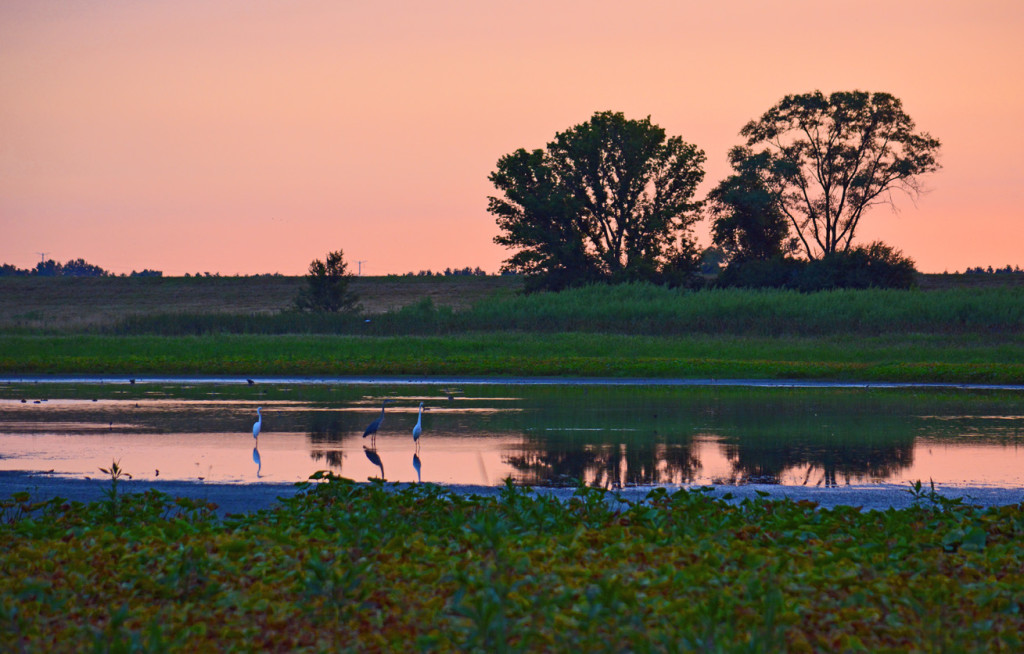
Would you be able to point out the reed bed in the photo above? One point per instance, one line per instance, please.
(643, 309)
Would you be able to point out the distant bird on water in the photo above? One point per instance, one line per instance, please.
(418, 429)
(371, 430)
(258, 424)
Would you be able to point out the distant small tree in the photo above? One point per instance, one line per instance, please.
(327, 287)
(81, 268)
(48, 268)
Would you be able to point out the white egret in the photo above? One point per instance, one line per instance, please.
(371, 430)
(258, 424)
(418, 429)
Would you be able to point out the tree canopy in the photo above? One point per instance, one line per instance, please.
(829, 158)
(747, 221)
(610, 199)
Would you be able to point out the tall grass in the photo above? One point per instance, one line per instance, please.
(648, 310)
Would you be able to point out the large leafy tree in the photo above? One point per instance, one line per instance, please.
(747, 220)
(832, 157)
(610, 199)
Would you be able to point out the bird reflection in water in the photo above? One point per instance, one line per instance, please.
(256, 460)
(416, 464)
(371, 454)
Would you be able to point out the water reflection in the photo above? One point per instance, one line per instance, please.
(609, 437)
(256, 460)
(374, 458)
(608, 465)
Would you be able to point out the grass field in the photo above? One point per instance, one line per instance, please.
(79, 303)
(482, 326)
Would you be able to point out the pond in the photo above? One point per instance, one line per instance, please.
(541, 435)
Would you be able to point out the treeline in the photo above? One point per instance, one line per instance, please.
(449, 272)
(989, 271)
(73, 268)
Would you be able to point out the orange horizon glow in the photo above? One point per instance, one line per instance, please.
(249, 136)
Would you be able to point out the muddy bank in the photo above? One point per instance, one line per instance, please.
(248, 498)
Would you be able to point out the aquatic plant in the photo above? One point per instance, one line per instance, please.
(387, 568)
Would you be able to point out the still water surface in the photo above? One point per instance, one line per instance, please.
(542, 435)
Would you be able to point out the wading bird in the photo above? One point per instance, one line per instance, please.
(418, 429)
(371, 430)
(258, 424)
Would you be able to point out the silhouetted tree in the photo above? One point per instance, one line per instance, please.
(609, 200)
(79, 268)
(327, 286)
(48, 268)
(829, 158)
(748, 221)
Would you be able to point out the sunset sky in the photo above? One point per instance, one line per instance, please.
(248, 136)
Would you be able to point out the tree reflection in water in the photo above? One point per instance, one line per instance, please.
(605, 465)
(325, 434)
(820, 438)
(765, 463)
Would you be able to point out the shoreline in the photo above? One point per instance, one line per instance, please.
(250, 498)
(469, 380)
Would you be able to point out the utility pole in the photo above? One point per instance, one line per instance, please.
(360, 264)
(42, 255)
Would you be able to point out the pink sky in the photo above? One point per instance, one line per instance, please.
(248, 136)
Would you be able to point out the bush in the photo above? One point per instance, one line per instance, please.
(874, 266)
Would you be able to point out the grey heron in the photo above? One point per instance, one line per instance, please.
(371, 430)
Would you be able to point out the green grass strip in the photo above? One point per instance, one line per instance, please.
(902, 357)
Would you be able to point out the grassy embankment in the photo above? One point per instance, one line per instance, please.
(480, 326)
(518, 572)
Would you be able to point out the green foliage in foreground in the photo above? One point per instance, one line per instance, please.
(371, 567)
(911, 357)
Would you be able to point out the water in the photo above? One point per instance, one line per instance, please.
(610, 436)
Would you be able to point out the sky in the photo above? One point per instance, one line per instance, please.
(252, 136)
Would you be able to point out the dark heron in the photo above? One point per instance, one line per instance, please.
(371, 431)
